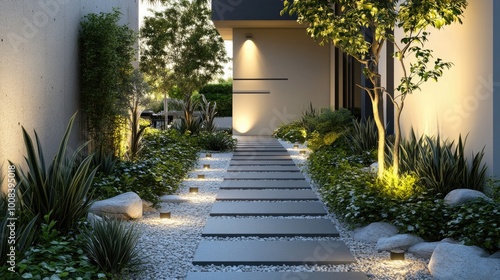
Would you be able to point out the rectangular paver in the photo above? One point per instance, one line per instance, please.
(266, 195)
(259, 154)
(260, 149)
(259, 208)
(269, 227)
(288, 162)
(276, 275)
(264, 176)
(272, 253)
(265, 184)
(263, 168)
(283, 157)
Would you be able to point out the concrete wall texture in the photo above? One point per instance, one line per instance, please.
(276, 75)
(39, 83)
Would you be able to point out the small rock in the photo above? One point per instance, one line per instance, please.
(123, 206)
(374, 231)
(397, 242)
(374, 167)
(461, 196)
(456, 261)
(173, 199)
(425, 249)
(495, 255)
(148, 206)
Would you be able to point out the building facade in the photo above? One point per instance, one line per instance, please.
(278, 70)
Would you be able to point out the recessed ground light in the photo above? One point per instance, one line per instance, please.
(206, 166)
(201, 176)
(302, 152)
(209, 155)
(397, 255)
(296, 146)
(193, 190)
(165, 215)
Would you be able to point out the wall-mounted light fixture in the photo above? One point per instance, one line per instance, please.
(249, 37)
(165, 215)
(206, 166)
(397, 255)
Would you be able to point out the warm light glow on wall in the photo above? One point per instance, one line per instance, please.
(243, 124)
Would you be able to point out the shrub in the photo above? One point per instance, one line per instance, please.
(363, 136)
(217, 141)
(61, 190)
(476, 223)
(292, 132)
(328, 120)
(442, 165)
(112, 245)
(222, 94)
(400, 187)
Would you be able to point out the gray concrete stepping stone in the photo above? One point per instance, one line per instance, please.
(260, 149)
(272, 253)
(288, 162)
(264, 184)
(269, 227)
(259, 154)
(264, 176)
(263, 168)
(276, 275)
(284, 157)
(259, 208)
(266, 195)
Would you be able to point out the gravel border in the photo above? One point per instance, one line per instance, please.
(168, 245)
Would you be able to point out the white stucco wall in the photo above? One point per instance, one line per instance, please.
(277, 53)
(462, 101)
(39, 69)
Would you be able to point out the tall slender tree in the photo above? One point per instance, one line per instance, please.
(345, 24)
(181, 47)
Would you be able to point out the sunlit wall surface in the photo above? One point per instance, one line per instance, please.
(276, 74)
(462, 101)
(39, 69)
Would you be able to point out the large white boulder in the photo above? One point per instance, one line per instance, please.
(456, 262)
(461, 196)
(425, 249)
(123, 206)
(397, 242)
(374, 231)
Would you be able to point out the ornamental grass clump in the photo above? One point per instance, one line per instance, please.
(112, 245)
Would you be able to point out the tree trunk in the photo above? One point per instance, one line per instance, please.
(165, 109)
(397, 140)
(381, 133)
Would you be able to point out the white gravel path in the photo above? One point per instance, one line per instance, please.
(168, 245)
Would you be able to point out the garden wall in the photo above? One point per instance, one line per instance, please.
(39, 69)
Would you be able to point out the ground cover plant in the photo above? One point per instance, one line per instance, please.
(413, 201)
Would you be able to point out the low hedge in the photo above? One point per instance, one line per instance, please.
(223, 95)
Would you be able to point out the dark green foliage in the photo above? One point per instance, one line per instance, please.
(362, 136)
(62, 189)
(103, 161)
(189, 124)
(208, 111)
(166, 158)
(476, 223)
(112, 245)
(222, 94)
(106, 52)
(216, 141)
(54, 256)
(292, 132)
(328, 120)
(442, 166)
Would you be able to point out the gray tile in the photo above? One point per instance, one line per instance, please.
(266, 195)
(288, 162)
(265, 184)
(263, 168)
(260, 154)
(272, 253)
(269, 227)
(260, 149)
(284, 157)
(276, 275)
(258, 208)
(264, 176)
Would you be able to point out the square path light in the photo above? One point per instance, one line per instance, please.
(193, 190)
(165, 215)
(201, 176)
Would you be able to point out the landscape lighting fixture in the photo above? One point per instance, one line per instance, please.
(208, 155)
(206, 166)
(295, 146)
(193, 190)
(249, 37)
(165, 215)
(397, 255)
(302, 152)
(201, 176)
